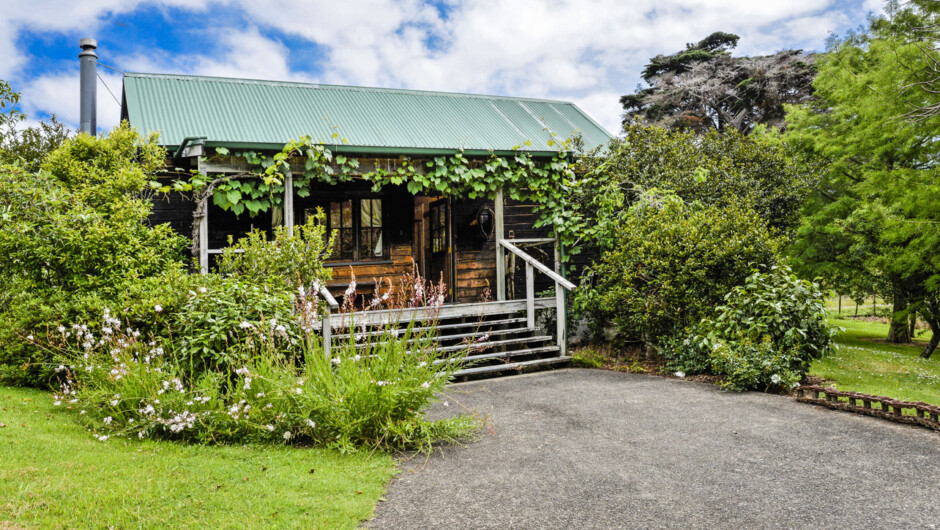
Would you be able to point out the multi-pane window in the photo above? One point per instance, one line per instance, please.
(438, 216)
(357, 224)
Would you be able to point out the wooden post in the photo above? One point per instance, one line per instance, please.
(289, 201)
(327, 332)
(560, 313)
(530, 295)
(204, 238)
(203, 228)
(500, 253)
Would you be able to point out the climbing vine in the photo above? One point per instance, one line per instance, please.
(546, 183)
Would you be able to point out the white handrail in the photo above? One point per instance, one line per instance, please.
(325, 293)
(537, 264)
(560, 282)
(327, 319)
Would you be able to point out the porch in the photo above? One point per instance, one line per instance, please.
(496, 285)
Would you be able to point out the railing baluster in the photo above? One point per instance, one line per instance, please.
(530, 295)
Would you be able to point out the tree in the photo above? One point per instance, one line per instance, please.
(26, 147)
(875, 217)
(712, 168)
(704, 88)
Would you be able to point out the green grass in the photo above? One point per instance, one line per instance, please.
(864, 363)
(54, 474)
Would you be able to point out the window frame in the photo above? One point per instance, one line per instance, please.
(358, 256)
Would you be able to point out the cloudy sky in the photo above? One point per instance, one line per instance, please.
(586, 51)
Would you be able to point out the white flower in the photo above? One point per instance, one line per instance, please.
(140, 434)
(108, 420)
(246, 325)
(299, 390)
(158, 308)
(242, 371)
(310, 423)
(775, 379)
(381, 383)
(269, 428)
(29, 338)
(259, 395)
(82, 412)
(247, 383)
(287, 435)
(57, 403)
(446, 404)
(61, 329)
(335, 361)
(426, 384)
(114, 402)
(102, 438)
(679, 374)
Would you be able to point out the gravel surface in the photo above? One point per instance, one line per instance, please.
(596, 449)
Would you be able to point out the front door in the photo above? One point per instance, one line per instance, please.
(438, 243)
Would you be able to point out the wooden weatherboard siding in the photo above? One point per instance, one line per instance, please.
(474, 255)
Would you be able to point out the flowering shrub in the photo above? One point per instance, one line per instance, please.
(370, 392)
(240, 362)
(225, 321)
(765, 336)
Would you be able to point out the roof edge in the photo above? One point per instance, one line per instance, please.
(300, 84)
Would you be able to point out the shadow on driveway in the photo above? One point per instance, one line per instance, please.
(596, 449)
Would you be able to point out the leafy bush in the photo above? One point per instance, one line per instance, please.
(217, 326)
(74, 239)
(672, 264)
(766, 335)
(289, 261)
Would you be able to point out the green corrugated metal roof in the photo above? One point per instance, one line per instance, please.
(251, 113)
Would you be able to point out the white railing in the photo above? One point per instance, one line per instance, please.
(561, 284)
(333, 305)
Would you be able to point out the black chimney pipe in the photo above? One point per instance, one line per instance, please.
(89, 86)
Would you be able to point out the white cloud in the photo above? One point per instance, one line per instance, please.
(587, 51)
(58, 93)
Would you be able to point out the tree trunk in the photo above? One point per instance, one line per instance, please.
(934, 337)
(913, 323)
(898, 331)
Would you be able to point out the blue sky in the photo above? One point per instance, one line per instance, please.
(586, 51)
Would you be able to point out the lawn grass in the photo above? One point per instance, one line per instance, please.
(865, 363)
(54, 474)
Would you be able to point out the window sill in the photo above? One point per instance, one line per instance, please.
(357, 263)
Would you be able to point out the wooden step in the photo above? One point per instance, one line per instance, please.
(477, 334)
(462, 325)
(479, 370)
(480, 346)
(505, 354)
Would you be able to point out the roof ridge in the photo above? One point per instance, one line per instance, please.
(326, 86)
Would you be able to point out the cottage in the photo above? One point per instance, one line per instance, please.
(474, 241)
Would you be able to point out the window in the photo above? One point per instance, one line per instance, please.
(357, 224)
(438, 227)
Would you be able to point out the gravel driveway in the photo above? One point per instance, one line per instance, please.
(594, 449)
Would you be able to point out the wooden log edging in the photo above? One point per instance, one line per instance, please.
(924, 414)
